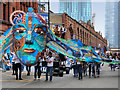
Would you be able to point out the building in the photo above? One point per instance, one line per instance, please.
(112, 24)
(76, 9)
(118, 24)
(83, 31)
(9, 7)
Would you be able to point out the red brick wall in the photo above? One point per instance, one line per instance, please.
(90, 36)
(17, 5)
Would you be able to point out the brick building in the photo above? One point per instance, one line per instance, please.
(83, 31)
(9, 7)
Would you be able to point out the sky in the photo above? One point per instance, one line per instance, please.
(97, 7)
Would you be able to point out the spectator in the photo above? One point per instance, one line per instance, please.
(63, 31)
(71, 31)
(56, 30)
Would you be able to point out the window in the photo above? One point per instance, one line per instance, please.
(4, 14)
(13, 9)
(29, 3)
(78, 32)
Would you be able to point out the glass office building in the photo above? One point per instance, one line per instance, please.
(111, 24)
(77, 10)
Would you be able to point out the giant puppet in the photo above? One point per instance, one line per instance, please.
(30, 34)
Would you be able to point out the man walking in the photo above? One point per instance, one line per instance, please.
(50, 61)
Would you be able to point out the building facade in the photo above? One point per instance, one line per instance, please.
(9, 7)
(118, 24)
(112, 25)
(77, 10)
(83, 31)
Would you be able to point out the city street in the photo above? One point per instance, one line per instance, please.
(108, 79)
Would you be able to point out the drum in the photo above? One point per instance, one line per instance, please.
(44, 64)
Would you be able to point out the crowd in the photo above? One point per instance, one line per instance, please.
(113, 56)
(48, 57)
(61, 30)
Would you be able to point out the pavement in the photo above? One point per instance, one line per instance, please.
(107, 79)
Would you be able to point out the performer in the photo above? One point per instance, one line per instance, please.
(17, 66)
(49, 66)
(3, 63)
(98, 69)
(28, 68)
(38, 67)
(8, 65)
(89, 69)
(93, 70)
(13, 64)
(79, 69)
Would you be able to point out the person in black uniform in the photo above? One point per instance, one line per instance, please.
(93, 70)
(98, 69)
(38, 66)
(79, 69)
(89, 69)
(17, 66)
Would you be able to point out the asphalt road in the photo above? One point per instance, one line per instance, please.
(108, 79)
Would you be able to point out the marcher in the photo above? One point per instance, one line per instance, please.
(79, 69)
(17, 66)
(38, 67)
(85, 68)
(74, 66)
(8, 65)
(28, 68)
(3, 63)
(50, 66)
(13, 65)
(93, 70)
(89, 69)
(98, 69)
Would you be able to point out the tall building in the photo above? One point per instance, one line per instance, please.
(112, 23)
(118, 24)
(76, 9)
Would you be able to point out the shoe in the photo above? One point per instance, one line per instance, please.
(20, 79)
(16, 78)
(38, 78)
(50, 80)
(98, 76)
(34, 79)
(13, 74)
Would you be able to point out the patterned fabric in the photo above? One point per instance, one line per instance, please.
(29, 36)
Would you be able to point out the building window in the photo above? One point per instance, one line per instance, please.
(4, 14)
(78, 32)
(13, 9)
(29, 3)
